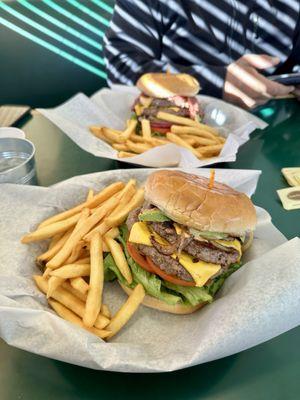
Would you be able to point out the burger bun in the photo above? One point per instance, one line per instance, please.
(164, 85)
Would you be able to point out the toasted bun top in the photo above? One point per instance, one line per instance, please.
(187, 199)
(163, 85)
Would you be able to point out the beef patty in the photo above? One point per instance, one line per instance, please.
(205, 251)
(166, 263)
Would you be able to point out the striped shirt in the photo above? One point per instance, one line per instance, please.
(200, 37)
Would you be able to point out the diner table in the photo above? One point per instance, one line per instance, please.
(268, 371)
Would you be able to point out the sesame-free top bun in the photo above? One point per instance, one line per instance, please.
(163, 85)
(187, 199)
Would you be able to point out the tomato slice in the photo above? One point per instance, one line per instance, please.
(160, 127)
(160, 130)
(166, 277)
(138, 257)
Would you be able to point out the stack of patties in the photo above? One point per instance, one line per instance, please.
(186, 239)
(171, 93)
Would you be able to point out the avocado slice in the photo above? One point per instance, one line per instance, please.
(153, 215)
(208, 235)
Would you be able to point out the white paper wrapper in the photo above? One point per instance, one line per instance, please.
(111, 107)
(248, 310)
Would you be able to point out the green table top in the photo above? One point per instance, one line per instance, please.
(270, 370)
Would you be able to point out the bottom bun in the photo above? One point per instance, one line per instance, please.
(160, 305)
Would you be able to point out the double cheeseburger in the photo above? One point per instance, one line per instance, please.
(186, 239)
(171, 93)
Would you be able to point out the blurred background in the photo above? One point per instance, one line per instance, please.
(51, 49)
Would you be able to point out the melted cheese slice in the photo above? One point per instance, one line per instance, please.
(141, 234)
(235, 244)
(200, 271)
(177, 229)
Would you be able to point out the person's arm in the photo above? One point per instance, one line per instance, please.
(247, 87)
(133, 47)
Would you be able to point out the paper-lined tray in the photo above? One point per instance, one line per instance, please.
(247, 311)
(111, 107)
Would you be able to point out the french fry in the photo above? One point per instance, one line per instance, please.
(80, 285)
(105, 311)
(125, 154)
(51, 252)
(124, 197)
(90, 195)
(68, 315)
(192, 142)
(85, 260)
(137, 147)
(117, 219)
(76, 252)
(71, 271)
(208, 128)
(120, 146)
(114, 135)
(55, 240)
(105, 248)
(131, 127)
(180, 142)
(221, 139)
(153, 141)
(97, 131)
(137, 138)
(113, 233)
(94, 297)
(211, 150)
(186, 122)
(119, 258)
(127, 310)
(78, 247)
(146, 129)
(82, 296)
(98, 199)
(46, 273)
(177, 120)
(199, 140)
(189, 130)
(91, 221)
(69, 300)
(53, 283)
(51, 230)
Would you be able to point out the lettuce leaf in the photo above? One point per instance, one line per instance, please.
(111, 271)
(153, 215)
(192, 294)
(218, 282)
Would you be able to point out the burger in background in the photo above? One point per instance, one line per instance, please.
(171, 93)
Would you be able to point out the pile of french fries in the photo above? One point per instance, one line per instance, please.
(73, 267)
(202, 140)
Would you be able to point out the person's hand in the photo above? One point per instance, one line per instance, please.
(296, 92)
(246, 87)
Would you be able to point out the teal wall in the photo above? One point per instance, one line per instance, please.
(51, 49)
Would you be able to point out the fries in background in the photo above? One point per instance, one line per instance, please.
(185, 132)
(73, 276)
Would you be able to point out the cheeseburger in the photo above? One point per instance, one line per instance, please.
(171, 93)
(185, 240)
